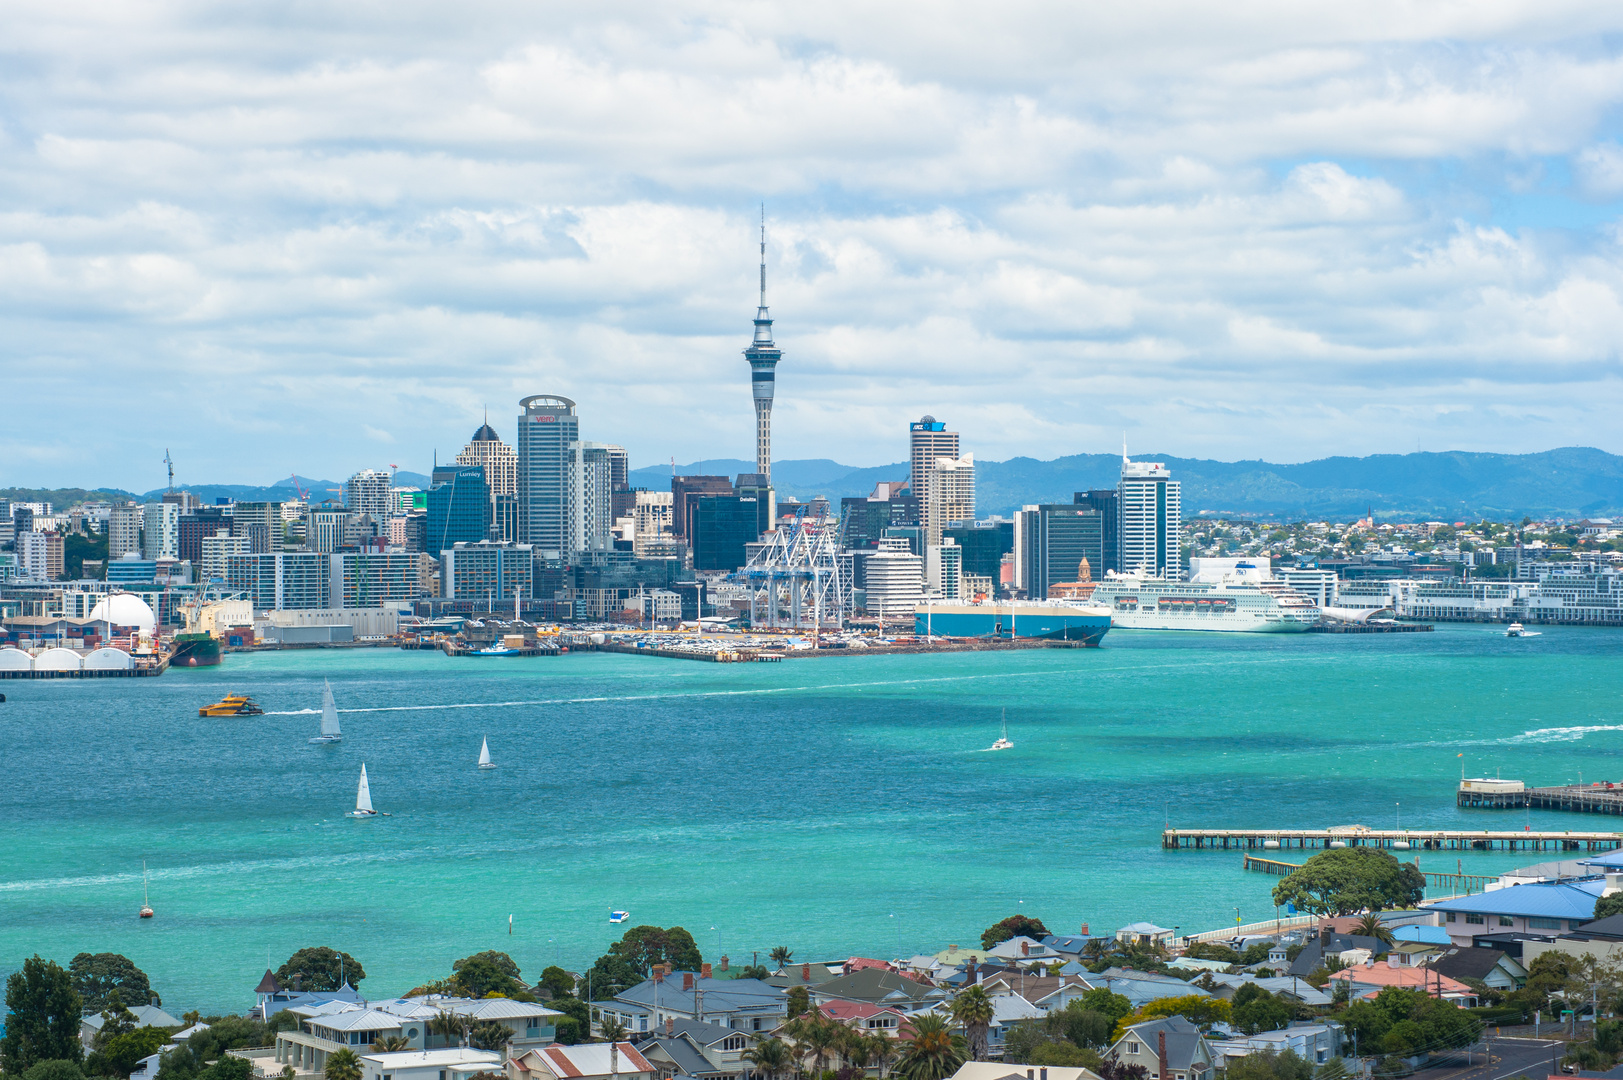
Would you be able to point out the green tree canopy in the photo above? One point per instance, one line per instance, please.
(799, 1001)
(575, 1025)
(119, 1054)
(1345, 881)
(1270, 1065)
(556, 982)
(1402, 1022)
(484, 974)
(1103, 999)
(55, 1069)
(43, 1017)
(1260, 1011)
(498, 960)
(629, 960)
(97, 974)
(320, 968)
(1012, 927)
(343, 1065)
(1063, 1054)
(933, 1053)
(1609, 905)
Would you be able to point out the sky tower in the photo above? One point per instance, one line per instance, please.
(763, 357)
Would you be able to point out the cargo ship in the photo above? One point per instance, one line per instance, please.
(1057, 620)
(195, 650)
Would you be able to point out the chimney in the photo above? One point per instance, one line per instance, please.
(724, 963)
(1161, 1052)
(614, 1059)
(1085, 930)
(805, 973)
(670, 1026)
(972, 974)
(298, 978)
(687, 980)
(1043, 1073)
(1031, 1074)
(698, 1005)
(1025, 948)
(659, 973)
(704, 971)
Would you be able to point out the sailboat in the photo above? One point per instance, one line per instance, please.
(363, 798)
(1003, 742)
(484, 755)
(329, 717)
(146, 905)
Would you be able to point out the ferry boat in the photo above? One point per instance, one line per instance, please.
(232, 705)
(1244, 599)
(1065, 620)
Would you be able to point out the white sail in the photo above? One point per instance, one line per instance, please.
(329, 711)
(363, 795)
(484, 754)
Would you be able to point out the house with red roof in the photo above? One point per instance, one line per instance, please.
(585, 1061)
(1369, 979)
(868, 1018)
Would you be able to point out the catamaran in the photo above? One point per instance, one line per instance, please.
(484, 755)
(363, 798)
(146, 905)
(1003, 742)
(329, 717)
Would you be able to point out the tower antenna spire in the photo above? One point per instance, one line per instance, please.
(763, 255)
(763, 357)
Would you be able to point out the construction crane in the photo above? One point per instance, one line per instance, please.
(167, 460)
(302, 496)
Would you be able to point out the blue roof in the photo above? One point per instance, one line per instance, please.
(1543, 900)
(1611, 858)
(1429, 935)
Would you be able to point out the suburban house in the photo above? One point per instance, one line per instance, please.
(998, 1070)
(1007, 1011)
(1329, 943)
(1168, 1049)
(878, 987)
(1499, 971)
(452, 1063)
(688, 1048)
(145, 1016)
(336, 1025)
(807, 975)
(1019, 950)
(953, 956)
(1283, 986)
(1143, 987)
(1547, 906)
(1313, 1043)
(1047, 992)
(273, 998)
(1145, 933)
(1600, 938)
(868, 1019)
(740, 1004)
(585, 1061)
(1367, 980)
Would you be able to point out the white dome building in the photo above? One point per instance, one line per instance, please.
(15, 660)
(109, 659)
(58, 660)
(124, 609)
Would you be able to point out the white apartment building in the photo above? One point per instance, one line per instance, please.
(944, 569)
(370, 492)
(652, 517)
(895, 581)
(217, 552)
(160, 531)
(1151, 508)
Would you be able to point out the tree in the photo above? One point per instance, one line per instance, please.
(799, 1001)
(1064, 1054)
(1012, 927)
(55, 1069)
(754, 971)
(973, 1009)
(391, 1044)
(630, 959)
(1103, 999)
(43, 1021)
(1080, 1025)
(1270, 1065)
(481, 976)
(235, 1068)
(490, 1035)
(96, 975)
(343, 1065)
(781, 955)
(1334, 1069)
(1345, 881)
(1112, 1069)
(320, 968)
(933, 1053)
(1255, 1009)
(1371, 926)
(611, 1030)
(556, 982)
(816, 1033)
(769, 1056)
(118, 1055)
(1609, 905)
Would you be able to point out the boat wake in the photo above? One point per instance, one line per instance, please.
(1559, 734)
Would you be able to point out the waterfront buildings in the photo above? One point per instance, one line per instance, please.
(459, 507)
(548, 477)
(894, 580)
(763, 357)
(124, 531)
(951, 494)
(215, 554)
(487, 570)
(944, 570)
(1053, 539)
(929, 441)
(1151, 515)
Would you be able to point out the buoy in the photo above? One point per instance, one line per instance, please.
(1338, 843)
(1271, 845)
(1401, 845)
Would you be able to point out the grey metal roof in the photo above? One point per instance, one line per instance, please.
(686, 1055)
(720, 995)
(1183, 1039)
(145, 1016)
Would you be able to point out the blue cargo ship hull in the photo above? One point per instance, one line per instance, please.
(1034, 621)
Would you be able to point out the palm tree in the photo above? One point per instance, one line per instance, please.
(973, 1009)
(343, 1065)
(390, 1044)
(934, 1052)
(815, 1033)
(781, 956)
(884, 1051)
(1095, 949)
(1370, 925)
(611, 1029)
(450, 1025)
(490, 1035)
(769, 1056)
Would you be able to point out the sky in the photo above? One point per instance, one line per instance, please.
(314, 238)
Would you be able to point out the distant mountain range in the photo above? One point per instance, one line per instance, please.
(1452, 486)
(1571, 482)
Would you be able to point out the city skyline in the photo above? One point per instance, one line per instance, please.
(1283, 233)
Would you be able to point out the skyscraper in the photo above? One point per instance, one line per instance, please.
(1151, 508)
(952, 494)
(1055, 538)
(458, 507)
(368, 492)
(1108, 503)
(929, 440)
(500, 463)
(597, 468)
(548, 475)
(763, 357)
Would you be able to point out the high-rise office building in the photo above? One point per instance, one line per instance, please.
(928, 442)
(597, 468)
(325, 528)
(720, 527)
(194, 526)
(263, 523)
(952, 494)
(1151, 509)
(983, 546)
(763, 357)
(487, 571)
(944, 570)
(369, 492)
(1108, 503)
(124, 530)
(548, 475)
(160, 531)
(1054, 539)
(500, 463)
(458, 507)
(685, 494)
(894, 581)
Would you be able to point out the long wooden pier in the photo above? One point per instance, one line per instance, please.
(1575, 798)
(1394, 839)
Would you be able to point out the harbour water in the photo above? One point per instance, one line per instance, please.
(836, 806)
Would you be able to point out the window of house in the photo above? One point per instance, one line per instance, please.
(1506, 920)
(1477, 919)
(1450, 916)
(1132, 1048)
(1544, 924)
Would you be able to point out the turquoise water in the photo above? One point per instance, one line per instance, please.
(839, 805)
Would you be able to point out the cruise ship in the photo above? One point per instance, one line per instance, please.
(1064, 620)
(1237, 595)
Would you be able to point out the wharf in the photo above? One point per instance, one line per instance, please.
(140, 671)
(1396, 839)
(1576, 798)
(1370, 628)
(1464, 883)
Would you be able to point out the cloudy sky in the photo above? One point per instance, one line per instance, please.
(309, 237)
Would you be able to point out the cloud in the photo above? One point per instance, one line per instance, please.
(1281, 230)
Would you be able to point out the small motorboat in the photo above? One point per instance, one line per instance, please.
(329, 717)
(232, 705)
(484, 755)
(1003, 742)
(363, 799)
(1516, 629)
(495, 650)
(619, 916)
(146, 903)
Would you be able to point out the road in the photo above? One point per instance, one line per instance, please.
(1534, 1058)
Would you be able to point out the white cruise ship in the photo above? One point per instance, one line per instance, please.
(1235, 595)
